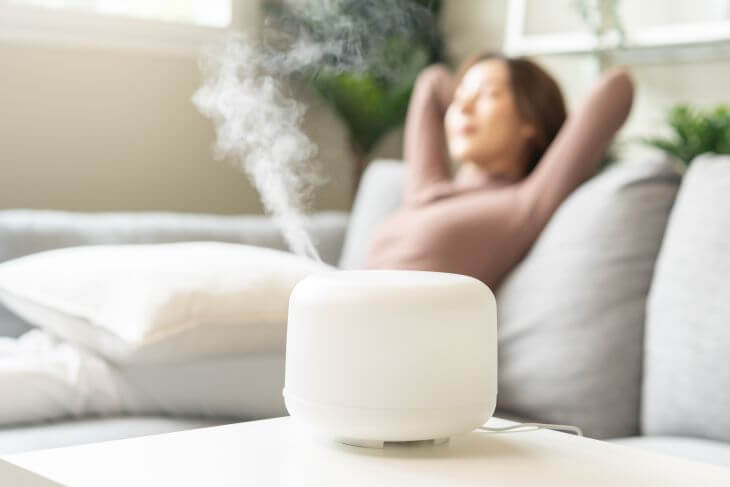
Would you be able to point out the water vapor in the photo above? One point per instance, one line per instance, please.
(246, 92)
(258, 125)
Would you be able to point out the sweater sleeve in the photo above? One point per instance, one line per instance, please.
(424, 148)
(577, 150)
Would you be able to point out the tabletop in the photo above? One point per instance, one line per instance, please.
(279, 452)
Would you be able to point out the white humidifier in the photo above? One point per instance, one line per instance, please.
(391, 356)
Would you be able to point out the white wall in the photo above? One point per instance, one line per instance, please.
(472, 26)
(660, 85)
(104, 129)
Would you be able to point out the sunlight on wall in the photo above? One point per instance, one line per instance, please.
(213, 13)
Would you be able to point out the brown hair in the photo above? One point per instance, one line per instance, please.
(538, 97)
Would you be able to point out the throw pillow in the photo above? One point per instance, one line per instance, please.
(24, 232)
(160, 302)
(571, 314)
(687, 365)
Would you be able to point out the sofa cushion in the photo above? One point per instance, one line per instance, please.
(379, 195)
(12, 325)
(571, 313)
(687, 355)
(45, 379)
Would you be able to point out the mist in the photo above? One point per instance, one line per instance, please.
(246, 93)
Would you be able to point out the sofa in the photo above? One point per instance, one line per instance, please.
(617, 320)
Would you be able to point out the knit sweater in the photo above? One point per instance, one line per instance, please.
(484, 230)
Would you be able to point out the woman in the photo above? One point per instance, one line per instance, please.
(504, 123)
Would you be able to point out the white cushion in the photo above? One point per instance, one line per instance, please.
(24, 232)
(43, 378)
(686, 388)
(247, 387)
(163, 302)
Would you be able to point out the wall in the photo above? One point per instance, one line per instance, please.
(105, 129)
(84, 128)
(471, 26)
(478, 24)
(97, 129)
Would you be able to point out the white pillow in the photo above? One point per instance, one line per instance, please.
(162, 302)
(43, 378)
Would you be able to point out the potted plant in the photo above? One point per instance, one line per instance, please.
(695, 132)
(371, 97)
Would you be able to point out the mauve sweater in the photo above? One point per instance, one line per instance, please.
(485, 230)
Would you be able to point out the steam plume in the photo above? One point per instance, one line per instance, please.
(259, 126)
(258, 122)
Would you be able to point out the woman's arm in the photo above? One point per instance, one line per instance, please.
(575, 153)
(425, 148)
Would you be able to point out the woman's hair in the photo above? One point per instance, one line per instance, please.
(539, 99)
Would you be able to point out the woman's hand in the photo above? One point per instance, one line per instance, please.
(437, 82)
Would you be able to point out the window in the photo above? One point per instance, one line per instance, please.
(211, 13)
(661, 30)
(179, 27)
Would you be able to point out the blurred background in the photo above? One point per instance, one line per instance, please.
(95, 110)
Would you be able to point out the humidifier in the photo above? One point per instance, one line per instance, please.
(391, 356)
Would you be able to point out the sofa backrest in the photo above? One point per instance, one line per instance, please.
(686, 388)
(379, 195)
(571, 314)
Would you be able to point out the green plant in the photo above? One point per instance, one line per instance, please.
(370, 104)
(401, 39)
(695, 132)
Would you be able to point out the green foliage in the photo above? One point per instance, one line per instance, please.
(610, 157)
(369, 104)
(402, 39)
(695, 132)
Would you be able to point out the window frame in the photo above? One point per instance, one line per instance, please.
(662, 43)
(66, 27)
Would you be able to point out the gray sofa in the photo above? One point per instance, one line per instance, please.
(617, 320)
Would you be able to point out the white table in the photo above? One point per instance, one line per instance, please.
(277, 452)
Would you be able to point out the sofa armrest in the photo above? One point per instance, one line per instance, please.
(25, 232)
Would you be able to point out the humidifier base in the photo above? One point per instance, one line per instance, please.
(381, 444)
(372, 427)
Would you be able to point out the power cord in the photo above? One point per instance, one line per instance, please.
(533, 427)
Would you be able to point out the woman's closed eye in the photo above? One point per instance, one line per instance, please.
(489, 92)
(463, 97)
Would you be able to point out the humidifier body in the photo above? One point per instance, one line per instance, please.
(377, 356)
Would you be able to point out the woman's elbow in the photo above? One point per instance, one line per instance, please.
(620, 82)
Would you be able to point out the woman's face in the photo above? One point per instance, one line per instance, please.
(482, 123)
